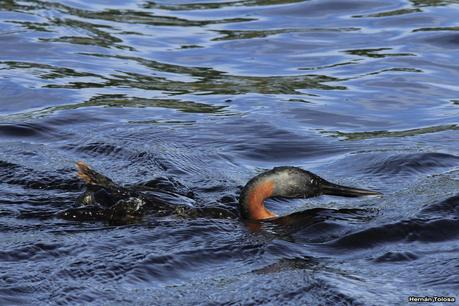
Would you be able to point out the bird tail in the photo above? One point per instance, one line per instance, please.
(91, 177)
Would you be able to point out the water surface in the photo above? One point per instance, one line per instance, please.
(203, 95)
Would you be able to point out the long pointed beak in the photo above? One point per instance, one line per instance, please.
(344, 191)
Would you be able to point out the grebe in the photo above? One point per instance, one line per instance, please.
(288, 182)
(106, 200)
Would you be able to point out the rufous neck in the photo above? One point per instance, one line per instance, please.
(254, 200)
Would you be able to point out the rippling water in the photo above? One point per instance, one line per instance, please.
(203, 95)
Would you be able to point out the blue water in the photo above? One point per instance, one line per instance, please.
(202, 96)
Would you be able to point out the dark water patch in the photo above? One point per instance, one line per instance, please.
(215, 5)
(224, 85)
(320, 118)
(102, 272)
(27, 130)
(376, 53)
(288, 264)
(160, 66)
(405, 133)
(412, 164)
(144, 17)
(19, 97)
(35, 179)
(131, 155)
(7, 165)
(404, 231)
(436, 29)
(33, 26)
(445, 41)
(443, 275)
(395, 257)
(62, 120)
(97, 34)
(118, 15)
(305, 288)
(9, 297)
(98, 149)
(6, 213)
(261, 141)
(115, 101)
(390, 13)
(390, 70)
(49, 72)
(316, 230)
(124, 101)
(232, 35)
(20, 49)
(447, 208)
(312, 216)
(37, 251)
(318, 225)
(394, 172)
(73, 295)
(36, 213)
(212, 81)
(163, 122)
(350, 62)
(283, 150)
(433, 3)
(320, 9)
(15, 295)
(174, 266)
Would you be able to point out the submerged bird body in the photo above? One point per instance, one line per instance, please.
(106, 200)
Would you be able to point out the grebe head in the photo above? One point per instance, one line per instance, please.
(289, 182)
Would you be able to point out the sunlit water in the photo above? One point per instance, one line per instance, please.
(204, 95)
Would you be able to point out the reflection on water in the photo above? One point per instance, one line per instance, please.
(412, 132)
(197, 97)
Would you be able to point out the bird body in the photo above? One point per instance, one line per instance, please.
(104, 199)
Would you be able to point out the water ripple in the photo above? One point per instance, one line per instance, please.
(187, 101)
